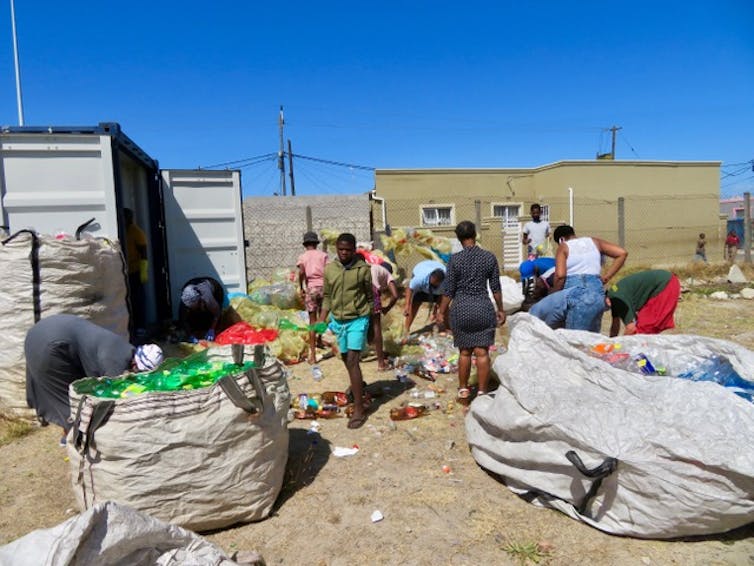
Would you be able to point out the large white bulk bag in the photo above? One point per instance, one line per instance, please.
(202, 459)
(42, 276)
(630, 454)
(109, 534)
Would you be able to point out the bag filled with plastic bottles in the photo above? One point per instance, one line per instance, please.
(201, 443)
(645, 436)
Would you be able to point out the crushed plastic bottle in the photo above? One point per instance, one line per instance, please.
(410, 411)
(720, 370)
(317, 374)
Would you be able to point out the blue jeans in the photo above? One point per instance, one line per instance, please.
(586, 302)
(552, 309)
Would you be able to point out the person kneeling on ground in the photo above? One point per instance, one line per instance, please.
(62, 348)
(645, 302)
(201, 306)
(348, 299)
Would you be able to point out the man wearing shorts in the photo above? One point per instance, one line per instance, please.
(349, 300)
(311, 269)
(645, 302)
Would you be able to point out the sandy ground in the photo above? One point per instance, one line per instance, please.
(401, 470)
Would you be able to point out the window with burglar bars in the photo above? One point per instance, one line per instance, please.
(508, 213)
(437, 215)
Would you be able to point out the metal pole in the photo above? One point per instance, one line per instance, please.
(747, 228)
(19, 96)
(281, 153)
(570, 206)
(478, 216)
(621, 222)
(290, 167)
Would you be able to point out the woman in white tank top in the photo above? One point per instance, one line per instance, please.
(578, 264)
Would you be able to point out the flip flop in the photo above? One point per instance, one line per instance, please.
(357, 422)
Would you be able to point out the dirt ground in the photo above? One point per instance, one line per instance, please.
(439, 507)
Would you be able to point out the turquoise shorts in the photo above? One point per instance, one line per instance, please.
(352, 334)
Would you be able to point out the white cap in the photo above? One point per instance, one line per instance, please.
(148, 357)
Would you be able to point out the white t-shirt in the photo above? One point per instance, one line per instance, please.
(537, 232)
(584, 257)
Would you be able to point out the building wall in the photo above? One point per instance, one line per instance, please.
(666, 204)
(275, 226)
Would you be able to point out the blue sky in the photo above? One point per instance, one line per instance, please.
(393, 85)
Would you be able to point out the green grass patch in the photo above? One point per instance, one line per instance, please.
(12, 428)
(526, 552)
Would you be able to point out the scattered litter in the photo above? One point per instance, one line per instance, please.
(446, 469)
(342, 452)
(377, 516)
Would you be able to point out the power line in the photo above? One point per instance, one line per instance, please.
(734, 173)
(338, 163)
(227, 163)
(737, 181)
(625, 139)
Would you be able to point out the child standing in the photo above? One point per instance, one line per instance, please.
(311, 269)
(348, 299)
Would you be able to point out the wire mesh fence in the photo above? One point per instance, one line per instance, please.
(657, 230)
(274, 227)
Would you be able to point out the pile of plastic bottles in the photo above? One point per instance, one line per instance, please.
(188, 374)
(613, 355)
(715, 368)
(319, 405)
(720, 370)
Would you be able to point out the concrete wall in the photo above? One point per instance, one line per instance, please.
(666, 204)
(274, 226)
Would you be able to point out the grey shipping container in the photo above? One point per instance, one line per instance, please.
(79, 179)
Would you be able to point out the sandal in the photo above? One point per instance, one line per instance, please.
(464, 393)
(357, 422)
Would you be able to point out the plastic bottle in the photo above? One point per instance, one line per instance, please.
(317, 374)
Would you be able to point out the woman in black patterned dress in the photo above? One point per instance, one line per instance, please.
(473, 316)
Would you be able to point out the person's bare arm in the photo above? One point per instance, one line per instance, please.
(393, 288)
(442, 310)
(561, 258)
(615, 326)
(614, 251)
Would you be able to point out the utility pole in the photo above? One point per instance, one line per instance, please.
(290, 169)
(281, 153)
(19, 97)
(611, 155)
(614, 130)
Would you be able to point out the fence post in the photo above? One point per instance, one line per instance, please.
(747, 228)
(478, 216)
(621, 222)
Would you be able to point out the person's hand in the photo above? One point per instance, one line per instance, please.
(500, 317)
(440, 319)
(210, 337)
(406, 312)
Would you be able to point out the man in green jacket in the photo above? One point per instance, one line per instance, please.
(348, 299)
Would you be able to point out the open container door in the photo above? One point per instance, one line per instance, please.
(204, 225)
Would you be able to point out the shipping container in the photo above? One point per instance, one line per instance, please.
(78, 181)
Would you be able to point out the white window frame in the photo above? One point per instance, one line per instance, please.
(519, 205)
(425, 207)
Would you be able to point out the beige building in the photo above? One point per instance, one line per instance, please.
(655, 209)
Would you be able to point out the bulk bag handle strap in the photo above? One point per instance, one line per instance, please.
(36, 280)
(100, 413)
(607, 467)
(232, 390)
(230, 386)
